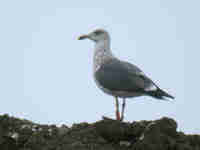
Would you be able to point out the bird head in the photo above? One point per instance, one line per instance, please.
(96, 35)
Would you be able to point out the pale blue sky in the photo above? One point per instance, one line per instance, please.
(46, 73)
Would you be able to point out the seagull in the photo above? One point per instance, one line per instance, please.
(119, 78)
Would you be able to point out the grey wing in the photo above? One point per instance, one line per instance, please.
(122, 76)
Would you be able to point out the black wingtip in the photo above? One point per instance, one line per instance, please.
(160, 94)
(165, 94)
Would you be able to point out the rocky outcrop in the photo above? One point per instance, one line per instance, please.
(106, 134)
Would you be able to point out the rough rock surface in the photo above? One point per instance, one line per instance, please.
(106, 134)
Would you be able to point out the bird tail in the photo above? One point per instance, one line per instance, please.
(159, 94)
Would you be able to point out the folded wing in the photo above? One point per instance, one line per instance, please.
(122, 76)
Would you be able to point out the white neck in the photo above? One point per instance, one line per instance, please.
(102, 53)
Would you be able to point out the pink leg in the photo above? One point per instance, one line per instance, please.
(123, 108)
(117, 109)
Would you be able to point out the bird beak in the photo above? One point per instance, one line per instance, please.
(82, 37)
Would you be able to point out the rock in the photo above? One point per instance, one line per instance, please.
(106, 134)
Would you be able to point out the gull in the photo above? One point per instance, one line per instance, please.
(119, 78)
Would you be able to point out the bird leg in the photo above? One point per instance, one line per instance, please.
(117, 109)
(123, 108)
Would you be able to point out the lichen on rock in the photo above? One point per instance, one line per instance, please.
(106, 134)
